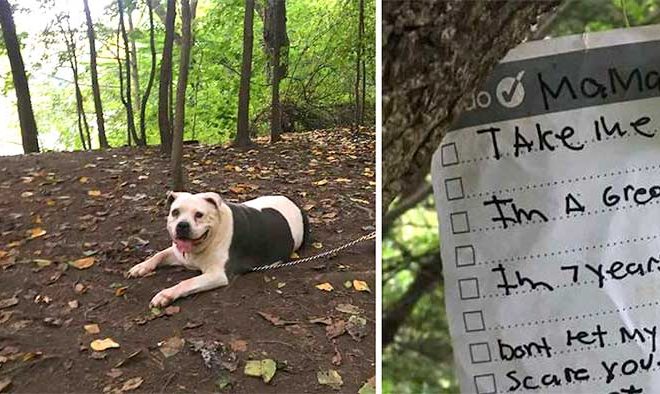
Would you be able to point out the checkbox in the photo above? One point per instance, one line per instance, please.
(480, 353)
(465, 256)
(485, 384)
(454, 189)
(468, 288)
(459, 222)
(474, 321)
(449, 154)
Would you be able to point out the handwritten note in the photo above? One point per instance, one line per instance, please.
(548, 196)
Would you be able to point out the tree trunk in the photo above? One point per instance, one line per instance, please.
(243, 128)
(278, 39)
(358, 67)
(164, 119)
(434, 56)
(179, 114)
(363, 63)
(69, 40)
(135, 75)
(128, 102)
(98, 106)
(24, 103)
(152, 73)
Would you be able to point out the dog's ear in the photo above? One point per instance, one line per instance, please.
(213, 199)
(171, 196)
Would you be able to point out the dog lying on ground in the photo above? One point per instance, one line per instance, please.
(222, 239)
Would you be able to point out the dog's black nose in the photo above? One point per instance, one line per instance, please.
(183, 230)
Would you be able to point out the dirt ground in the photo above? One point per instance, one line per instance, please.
(107, 210)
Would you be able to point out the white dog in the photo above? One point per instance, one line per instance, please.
(221, 239)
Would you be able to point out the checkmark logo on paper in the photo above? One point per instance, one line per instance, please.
(510, 91)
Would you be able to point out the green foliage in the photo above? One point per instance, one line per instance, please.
(320, 80)
(598, 15)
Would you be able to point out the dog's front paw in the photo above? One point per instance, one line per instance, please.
(140, 269)
(162, 299)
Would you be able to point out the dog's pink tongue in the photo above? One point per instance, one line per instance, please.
(184, 245)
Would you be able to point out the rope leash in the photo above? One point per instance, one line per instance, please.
(280, 264)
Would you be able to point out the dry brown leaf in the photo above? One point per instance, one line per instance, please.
(275, 320)
(36, 232)
(317, 245)
(92, 328)
(325, 286)
(83, 263)
(120, 291)
(8, 302)
(238, 345)
(100, 345)
(83, 179)
(322, 182)
(94, 193)
(172, 310)
(337, 328)
(132, 384)
(172, 346)
(360, 285)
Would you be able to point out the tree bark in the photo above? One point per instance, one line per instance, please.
(152, 73)
(243, 125)
(277, 21)
(358, 67)
(164, 119)
(24, 103)
(134, 62)
(83, 125)
(98, 106)
(179, 114)
(428, 70)
(128, 99)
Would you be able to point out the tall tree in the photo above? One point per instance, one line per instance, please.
(134, 61)
(98, 106)
(72, 57)
(128, 100)
(164, 119)
(361, 66)
(243, 125)
(277, 40)
(24, 103)
(152, 71)
(180, 106)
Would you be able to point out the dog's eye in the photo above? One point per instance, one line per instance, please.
(175, 212)
(198, 215)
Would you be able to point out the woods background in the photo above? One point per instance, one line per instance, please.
(325, 52)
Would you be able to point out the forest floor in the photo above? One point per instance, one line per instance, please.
(71, 225)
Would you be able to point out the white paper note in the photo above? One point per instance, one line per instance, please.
(548, 197)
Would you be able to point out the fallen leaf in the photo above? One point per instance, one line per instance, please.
(322, 320)
(114, 373)
(325, 286)
(261, 368)
(120, 291)
(172, 346)
(275, 320)
(42, 263)
(100, 345)
(172, 310)
(357, 327)
(322, 182)
(80, 288)
(83, 179)
(348, 284)
(349, 308)
(369, 387)
(73, 304)
(83, 263)
(5, 316)
(94, 193)
(238, 345)
(361, 285)
(36, 232)
(92, 328)
(337, 328)
(4, 384)
(330, 378)
(27, 194)
(132, 384)
(317, 245)
(223, 380)
(8, 302)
